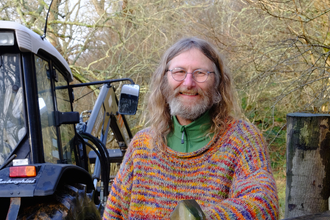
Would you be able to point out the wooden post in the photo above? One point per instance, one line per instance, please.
(307, 164)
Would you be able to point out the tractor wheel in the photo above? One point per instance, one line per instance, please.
(68, 203)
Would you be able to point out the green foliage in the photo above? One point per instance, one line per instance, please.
(277, 148)
(281, 187)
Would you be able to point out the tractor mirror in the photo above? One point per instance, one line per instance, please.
(129, 98)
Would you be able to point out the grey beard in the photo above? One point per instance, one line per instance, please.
(188, 112)
(192, 112)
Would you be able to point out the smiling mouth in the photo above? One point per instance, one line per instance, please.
(189, 93)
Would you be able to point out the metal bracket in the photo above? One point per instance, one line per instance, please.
(15, 204)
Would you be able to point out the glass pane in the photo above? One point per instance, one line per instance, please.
(12, 119)
(66, 130)
(46, 109)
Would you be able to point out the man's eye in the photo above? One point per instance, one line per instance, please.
(179, 72)
(199, 73)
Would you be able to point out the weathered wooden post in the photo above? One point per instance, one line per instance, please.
(308, 164)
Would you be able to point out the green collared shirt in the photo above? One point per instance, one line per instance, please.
(192, 137)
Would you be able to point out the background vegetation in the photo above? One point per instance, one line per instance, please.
(278, 51)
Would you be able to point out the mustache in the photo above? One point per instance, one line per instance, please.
(196, 91)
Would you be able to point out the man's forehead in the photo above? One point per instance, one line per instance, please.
(193, 56)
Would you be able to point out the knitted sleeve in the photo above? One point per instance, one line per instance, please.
(118, 203)
(253, 193)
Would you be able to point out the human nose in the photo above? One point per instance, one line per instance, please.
(189, 80)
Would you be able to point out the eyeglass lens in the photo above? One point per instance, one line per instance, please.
(180, 74)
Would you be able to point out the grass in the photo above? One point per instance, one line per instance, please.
(276, 137)
(280, 179)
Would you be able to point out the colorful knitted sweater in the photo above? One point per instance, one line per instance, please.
(230, 178)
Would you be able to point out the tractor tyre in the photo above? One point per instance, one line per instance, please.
(68, 202)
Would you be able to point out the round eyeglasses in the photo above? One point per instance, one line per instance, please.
(199, 75)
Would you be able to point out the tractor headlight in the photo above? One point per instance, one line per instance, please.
(7, 38)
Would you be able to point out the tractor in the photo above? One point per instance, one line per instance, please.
(53, 164)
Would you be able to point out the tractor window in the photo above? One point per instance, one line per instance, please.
(67, 131)
(46, 109)
(12, 123)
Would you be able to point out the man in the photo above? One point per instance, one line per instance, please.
(195, 148)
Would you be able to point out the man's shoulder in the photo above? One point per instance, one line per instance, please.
(240, 129)
(143, 134)
(246, 132)
(143, 139)
(240, 124)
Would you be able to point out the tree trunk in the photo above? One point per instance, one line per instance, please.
(308, 156)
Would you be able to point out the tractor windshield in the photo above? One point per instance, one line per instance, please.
(12, 123)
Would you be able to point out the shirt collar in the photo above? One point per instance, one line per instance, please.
(195, 130)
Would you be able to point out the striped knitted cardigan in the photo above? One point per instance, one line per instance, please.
(230, 178)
